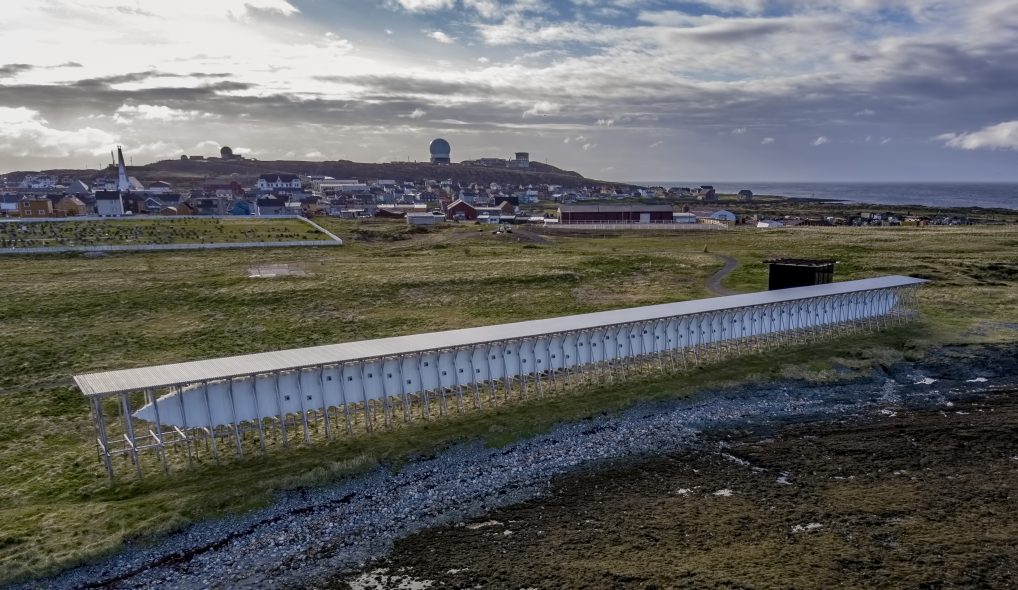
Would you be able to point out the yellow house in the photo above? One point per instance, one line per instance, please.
(35, 207)
(71, 206)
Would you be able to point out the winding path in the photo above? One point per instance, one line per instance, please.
(714, 283)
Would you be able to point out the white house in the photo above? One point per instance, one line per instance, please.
(160, 187)
(277, 181)
(42, 181)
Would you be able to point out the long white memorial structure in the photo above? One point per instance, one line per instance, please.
(243, 401)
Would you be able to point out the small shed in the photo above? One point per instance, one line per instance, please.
(787, 273)
(423, 219)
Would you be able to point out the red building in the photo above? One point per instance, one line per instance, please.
(615, 214)
(460, 210)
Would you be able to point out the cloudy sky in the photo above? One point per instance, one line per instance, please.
(630, 90)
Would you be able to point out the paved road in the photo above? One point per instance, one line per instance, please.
(714, 283)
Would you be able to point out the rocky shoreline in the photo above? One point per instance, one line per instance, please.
(310, 537)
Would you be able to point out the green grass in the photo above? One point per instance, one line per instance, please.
(62, 315)
(162, 231)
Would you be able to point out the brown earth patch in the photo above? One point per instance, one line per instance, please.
(913, 500)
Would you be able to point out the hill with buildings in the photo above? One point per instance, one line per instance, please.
(196, 171)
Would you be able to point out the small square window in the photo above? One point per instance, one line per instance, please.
(478, 371)
(329, 378)
(388, 376)
(309, 398)
(444, 373)
(286, 398)
(409, 382)
(349, 378)
(370, 375)
(426, 364)
(553, 356)
(461, 370)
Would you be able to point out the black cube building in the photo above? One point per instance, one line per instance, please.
(786, 273)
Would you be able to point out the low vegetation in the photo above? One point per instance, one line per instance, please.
(62, 315)
(140, 232)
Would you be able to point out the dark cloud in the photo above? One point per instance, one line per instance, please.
(9, 70)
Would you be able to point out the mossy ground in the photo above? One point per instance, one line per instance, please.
(62, 315)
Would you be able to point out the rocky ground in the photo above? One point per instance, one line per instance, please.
(903, 479)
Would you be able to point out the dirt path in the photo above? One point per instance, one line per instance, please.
(903, 499)
(714, 283)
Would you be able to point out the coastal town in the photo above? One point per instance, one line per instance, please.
(116, 193)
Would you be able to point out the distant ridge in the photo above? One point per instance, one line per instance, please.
(182, 172)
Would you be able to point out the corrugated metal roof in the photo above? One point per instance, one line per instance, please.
(111, 382)
(615, 208)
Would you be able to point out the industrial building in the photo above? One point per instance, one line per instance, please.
(615, 214)
(249, 401)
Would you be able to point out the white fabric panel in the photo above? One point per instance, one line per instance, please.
(333, 384)
(509, 364)
(569, 351)
(461, 363)
(542, 354)
(584, 353)
(244, 400)
(447, 370)
(429, 371)
(311, 387)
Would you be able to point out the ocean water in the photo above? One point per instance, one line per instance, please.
(988, 195)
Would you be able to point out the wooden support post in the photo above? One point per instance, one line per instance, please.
(236, 422)
(101, 438)
(183, 420)
(281, 412)
(367, 403)
(149, 398)
(303, 408)
(129, 432)
(402, 390)
(258, 413)
(346, 402)
(386, 402)
(425, 405)
(473, 379)
(325, 405)
(212, 426)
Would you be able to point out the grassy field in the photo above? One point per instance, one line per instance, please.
(147, 231)
(61, 315)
